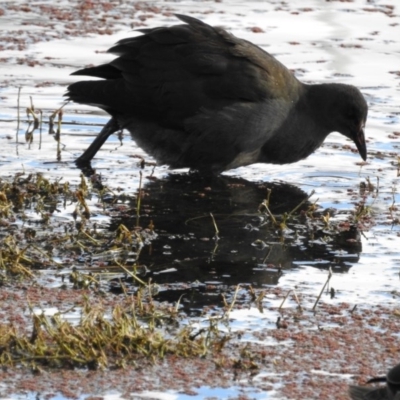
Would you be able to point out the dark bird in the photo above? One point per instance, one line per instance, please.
(196, 96)
(389, 392)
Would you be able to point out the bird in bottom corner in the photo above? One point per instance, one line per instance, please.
(389, 392)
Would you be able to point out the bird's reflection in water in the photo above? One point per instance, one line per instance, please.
(249, 248)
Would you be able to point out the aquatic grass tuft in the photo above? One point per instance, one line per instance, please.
(131, 331)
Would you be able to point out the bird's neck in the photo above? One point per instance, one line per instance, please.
(318, 102)
(302, 132)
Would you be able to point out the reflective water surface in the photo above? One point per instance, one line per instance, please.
(347, 217)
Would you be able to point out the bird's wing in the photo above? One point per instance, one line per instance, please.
(365, 393)
(174, 73)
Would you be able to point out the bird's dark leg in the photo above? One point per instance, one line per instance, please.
(108, 129)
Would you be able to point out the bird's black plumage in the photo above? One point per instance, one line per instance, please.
(389, 392)
(196, 96)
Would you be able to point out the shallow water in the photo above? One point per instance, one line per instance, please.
(332, 41)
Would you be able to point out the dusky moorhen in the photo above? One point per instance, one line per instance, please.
(389, 392)
(196, 96)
